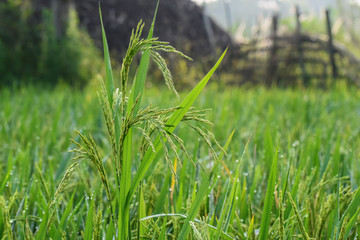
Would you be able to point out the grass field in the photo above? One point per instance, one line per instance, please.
(291, 169)
(137, 163)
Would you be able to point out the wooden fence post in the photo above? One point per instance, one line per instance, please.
(298, 43)
(60, 11)
(272, 61)
(331, 45)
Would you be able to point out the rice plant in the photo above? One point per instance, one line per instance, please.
(123, 115)
(152, 171)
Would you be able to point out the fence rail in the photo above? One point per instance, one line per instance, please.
(296, 58)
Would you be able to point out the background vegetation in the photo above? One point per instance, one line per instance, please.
(30, 52)
(242, 163)
(316, 134)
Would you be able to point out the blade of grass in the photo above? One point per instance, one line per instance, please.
(351, 224)
(64, 218)
(203, 191)
(142, 213)
(89, 221)
(140, 78)
(224, 209)
(269, 198)
(251, 228)
(136, 93)
(172, 123)
(351, 211)
(108, 70)
(162, 235)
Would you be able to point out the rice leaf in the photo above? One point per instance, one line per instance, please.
(171, 123)
(89, 221)
(64, 218)
(203, 191)
(251, 229)
(162, 235)
(269, 198)
(142, 212)
(350, 212)
(135, 98)
(108, 70)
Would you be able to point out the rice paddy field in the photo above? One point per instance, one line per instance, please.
(311, 135)
(210, 163)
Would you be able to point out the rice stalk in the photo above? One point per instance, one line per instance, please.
(298, 218)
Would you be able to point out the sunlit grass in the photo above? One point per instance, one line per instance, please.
(316, 133)
(145, 163)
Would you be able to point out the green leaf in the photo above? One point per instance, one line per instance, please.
(5, 180)
(89, 221)
(203, 191)
(172, 123)
(352, 211)
(142, 213)
(251, 228)
(43, 226)
(161, 200)
(136, 93)
(162, 235)
(108, 70)
(223, 213)
(64, 218)
(269, 198)
(140, 78)
(351, 223)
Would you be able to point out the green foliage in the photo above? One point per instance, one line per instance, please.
(312, 128)
(290, 170)
(31, 53)
(156, 126)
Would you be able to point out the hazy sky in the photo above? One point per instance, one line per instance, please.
(247, 11)
(207, 1)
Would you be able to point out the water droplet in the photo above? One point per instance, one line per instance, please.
(246, 174)
(218, 176)
(36, 180)
(170, 189)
